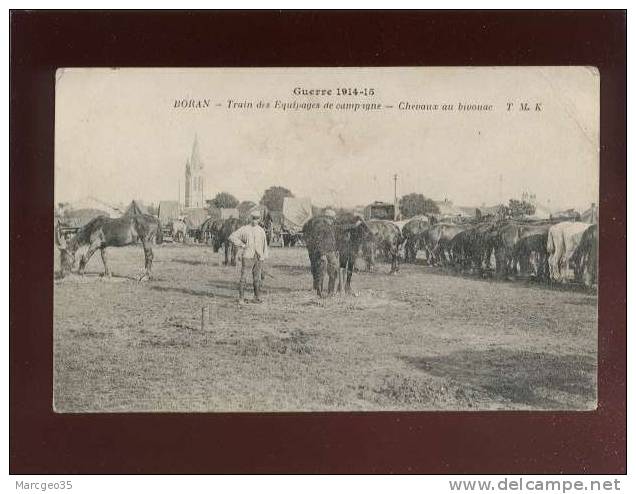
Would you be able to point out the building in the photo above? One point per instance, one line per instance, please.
(194, 179)
(379, 210)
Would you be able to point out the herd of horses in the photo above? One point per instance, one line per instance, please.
(548, 250)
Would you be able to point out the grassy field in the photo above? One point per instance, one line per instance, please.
(420, 340)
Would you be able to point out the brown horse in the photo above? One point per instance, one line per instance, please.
(342, 238)
(103, 232)
(386, 237)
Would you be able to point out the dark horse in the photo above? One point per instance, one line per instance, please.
(342, 237)
(388, 239)
(221, 237)
(413, 233)
(103, 232)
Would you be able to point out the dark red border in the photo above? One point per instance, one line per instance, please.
(43, 442)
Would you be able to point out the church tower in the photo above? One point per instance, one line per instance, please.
(194, 180)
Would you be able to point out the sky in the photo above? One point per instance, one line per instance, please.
(118, 135)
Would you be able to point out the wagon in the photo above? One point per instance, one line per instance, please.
(287, 225)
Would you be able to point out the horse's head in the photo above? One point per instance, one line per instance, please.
(363, 229)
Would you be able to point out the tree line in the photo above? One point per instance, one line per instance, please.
(410, 205)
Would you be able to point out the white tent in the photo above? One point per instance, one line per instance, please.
(296, 212)
(93, 203)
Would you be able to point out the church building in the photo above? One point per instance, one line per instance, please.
(194, 179)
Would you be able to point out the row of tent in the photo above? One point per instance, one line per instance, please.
(295, 212)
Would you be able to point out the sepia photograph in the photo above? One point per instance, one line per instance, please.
(326, 239)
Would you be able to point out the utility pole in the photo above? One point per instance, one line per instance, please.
(395, 199)
(501, 199)
(179, 193)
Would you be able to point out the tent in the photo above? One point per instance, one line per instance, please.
(135, 207)
(77, 218)
(223, 213)
(89, 202)
(77, 214)
(296, 212)
(194, 217)
(168, 211)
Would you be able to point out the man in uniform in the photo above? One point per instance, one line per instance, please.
(252, 239)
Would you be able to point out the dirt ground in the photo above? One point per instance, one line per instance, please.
(423, 339)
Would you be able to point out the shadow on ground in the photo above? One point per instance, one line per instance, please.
(193, 292)
(518, 376)
(490, 277)
(191, 262)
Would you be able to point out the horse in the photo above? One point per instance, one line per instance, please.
(210, 228)
(341, 238)
(103, 232)
(388, 239)
(584, 260)
(221, 238)
(413, 233)
(563, 239)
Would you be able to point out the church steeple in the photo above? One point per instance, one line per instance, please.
(194, 180)
(195, 158)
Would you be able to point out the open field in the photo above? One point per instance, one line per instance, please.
(420, 340)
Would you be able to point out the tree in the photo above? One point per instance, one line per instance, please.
(416, 204)
(274, 196)
(520, 208)
(225, 200)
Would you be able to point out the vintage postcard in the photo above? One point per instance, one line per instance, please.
(326, 239)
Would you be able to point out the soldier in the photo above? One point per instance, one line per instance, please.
(252, 239)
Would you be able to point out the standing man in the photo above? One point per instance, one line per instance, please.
(252, 239)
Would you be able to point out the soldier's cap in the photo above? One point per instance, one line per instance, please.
(330, 212)
(255, 214)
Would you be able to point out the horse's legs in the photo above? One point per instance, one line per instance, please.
(395, 260)
(349, 263)
(333, 267)
(340, 273)
(104, 260)
(322, 268)
(234, 250)
(86, 257)
(315, 266)
(372, 257)
(149, 256)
